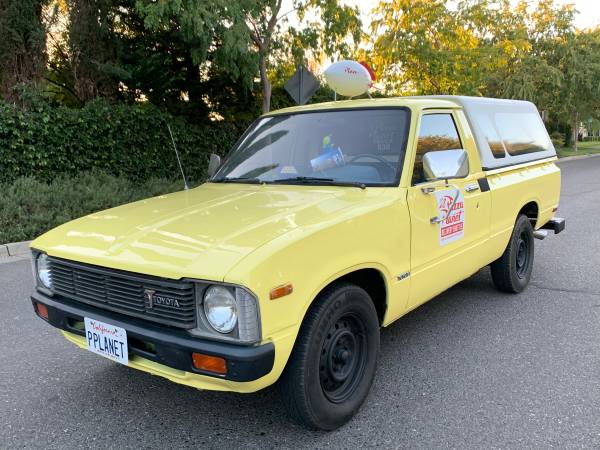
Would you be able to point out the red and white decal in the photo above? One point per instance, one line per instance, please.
(452, 228)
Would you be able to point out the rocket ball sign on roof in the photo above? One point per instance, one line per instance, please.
(349, 78)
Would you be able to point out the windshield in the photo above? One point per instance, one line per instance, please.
(361, 146)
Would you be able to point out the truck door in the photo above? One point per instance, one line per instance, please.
(444, 253)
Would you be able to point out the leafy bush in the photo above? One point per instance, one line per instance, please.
(30, 207)
(128, 140)
(558, 139)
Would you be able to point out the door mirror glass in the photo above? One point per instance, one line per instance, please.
(214, 164)
(445, 164)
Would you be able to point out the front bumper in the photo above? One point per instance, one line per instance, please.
(162, 344)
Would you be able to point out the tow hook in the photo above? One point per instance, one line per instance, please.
(540, 234)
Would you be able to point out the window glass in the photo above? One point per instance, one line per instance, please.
(354, 146)
(486, 124)
(522, 133)
(437, 132)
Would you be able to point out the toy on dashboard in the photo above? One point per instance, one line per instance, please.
(329, 156)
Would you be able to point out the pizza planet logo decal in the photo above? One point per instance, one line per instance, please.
(452, 228)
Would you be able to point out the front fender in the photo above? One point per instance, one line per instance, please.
(373, 235)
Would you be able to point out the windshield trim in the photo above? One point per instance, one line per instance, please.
(394, 183)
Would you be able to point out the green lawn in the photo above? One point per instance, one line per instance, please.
(583, 148)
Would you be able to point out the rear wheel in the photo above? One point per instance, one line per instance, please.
(512, 271)
(331, 369)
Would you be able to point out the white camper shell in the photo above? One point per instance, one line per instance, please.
(508, 132)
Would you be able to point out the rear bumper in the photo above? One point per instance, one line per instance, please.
(556, 224)
(161, 344)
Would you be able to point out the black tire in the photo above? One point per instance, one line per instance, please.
(512, 271)
(331, 369)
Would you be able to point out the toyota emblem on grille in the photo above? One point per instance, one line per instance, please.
(149, 296)
(154, 299)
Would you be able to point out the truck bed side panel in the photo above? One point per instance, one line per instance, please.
(512, 189)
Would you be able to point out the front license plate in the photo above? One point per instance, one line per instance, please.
(106, 340)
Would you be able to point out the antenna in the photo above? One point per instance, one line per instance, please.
(185, 185)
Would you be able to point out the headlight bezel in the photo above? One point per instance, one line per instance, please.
(40, 285)
(248, 328)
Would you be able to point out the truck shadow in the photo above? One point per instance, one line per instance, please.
(422, 357)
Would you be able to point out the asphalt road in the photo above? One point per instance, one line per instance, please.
(471, 369)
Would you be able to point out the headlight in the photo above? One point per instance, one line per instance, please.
(220, 309)
(43, 271)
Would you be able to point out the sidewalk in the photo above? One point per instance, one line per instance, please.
(570, 158)
(16, 251)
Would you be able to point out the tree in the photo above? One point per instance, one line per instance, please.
(210, 39)
(92, 47)
(243, 38)
(578, 58)
(476, 47)
(423, 47)
(22, 45)
(156, 63)
(527, 70)
(279, 44)
(262, 26)
(558, 68)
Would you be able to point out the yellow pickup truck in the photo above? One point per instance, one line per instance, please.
(324, 223)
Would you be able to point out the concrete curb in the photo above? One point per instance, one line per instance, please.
(14, 249)
(571, 158)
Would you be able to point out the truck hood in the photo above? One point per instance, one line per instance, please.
(201, 233)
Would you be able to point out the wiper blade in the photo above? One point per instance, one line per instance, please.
(237, 180)
(307, 179)
(319, 180)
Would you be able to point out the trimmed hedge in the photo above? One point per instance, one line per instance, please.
(122, 140)
(30, 207)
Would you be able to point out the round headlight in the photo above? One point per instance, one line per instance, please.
(43, 271)
(220, 309)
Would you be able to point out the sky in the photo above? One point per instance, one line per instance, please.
(588, 15)
(588, 10)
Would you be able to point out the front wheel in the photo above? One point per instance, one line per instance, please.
(512, 271)
(331, 369)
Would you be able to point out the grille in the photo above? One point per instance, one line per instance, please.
(125, 292)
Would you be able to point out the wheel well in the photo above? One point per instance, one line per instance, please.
(530, 210)
(372, 281)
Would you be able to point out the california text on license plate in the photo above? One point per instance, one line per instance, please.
(106, 340)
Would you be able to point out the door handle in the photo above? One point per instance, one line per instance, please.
(472, 187)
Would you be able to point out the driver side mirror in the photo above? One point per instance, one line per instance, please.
(445, 164)
(213, 164)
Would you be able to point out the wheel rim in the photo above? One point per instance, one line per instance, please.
(343, 358)
(523, 257)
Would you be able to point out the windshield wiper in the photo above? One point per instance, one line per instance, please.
(319, 180)
(252, 180)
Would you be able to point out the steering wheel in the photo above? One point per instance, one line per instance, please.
(375, 157)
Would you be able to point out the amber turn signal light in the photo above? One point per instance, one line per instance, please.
(209, 363)
(42, 310)
(281, 291)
